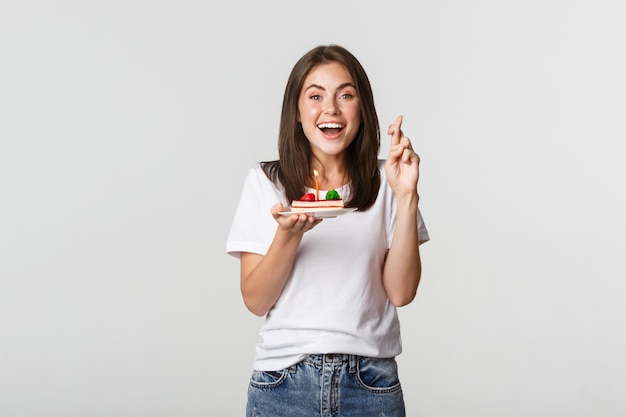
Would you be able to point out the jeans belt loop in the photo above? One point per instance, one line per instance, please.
(353, 359)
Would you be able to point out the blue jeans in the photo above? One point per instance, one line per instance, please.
(328, 386)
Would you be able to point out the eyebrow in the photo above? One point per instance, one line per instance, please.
(344, 85)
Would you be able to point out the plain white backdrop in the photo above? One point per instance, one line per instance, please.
(126, 129)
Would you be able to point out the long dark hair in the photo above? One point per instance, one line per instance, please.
(292, 169)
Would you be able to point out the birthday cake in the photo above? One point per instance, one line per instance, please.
(308, 202)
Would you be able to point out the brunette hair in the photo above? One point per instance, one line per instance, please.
(292, 169)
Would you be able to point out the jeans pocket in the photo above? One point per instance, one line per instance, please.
(267, 379)
(378, 375)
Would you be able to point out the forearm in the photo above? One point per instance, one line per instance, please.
(264, 277)
(402, 269)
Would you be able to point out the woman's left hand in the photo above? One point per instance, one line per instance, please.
(402, 165)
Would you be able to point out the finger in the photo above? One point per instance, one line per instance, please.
(402, 149)
(306, 222)
(275, 209)
(313, 222)
(395, 152)
(406, 142)
(410, 157)
(294, 223)
(407, 156)
(395, 131)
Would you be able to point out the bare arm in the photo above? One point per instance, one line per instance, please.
(264, 277)
(403, 267)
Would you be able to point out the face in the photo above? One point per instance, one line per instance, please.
(329, 109)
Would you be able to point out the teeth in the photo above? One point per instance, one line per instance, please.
(330, 126)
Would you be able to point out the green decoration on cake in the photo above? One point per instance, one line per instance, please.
(332, 195)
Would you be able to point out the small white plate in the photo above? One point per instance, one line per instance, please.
(320, 213)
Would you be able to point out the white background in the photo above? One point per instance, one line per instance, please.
(126, 129)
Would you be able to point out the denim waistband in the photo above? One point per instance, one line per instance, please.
(332, 358)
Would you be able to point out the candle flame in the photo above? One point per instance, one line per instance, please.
(315, 173)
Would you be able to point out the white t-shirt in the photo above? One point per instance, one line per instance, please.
(333, 301)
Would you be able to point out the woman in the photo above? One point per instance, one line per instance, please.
(329, 288)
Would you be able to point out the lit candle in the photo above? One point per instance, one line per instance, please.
(317, 185)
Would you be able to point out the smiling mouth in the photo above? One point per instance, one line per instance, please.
(331, 128)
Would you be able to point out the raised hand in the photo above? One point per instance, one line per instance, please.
(402, 165)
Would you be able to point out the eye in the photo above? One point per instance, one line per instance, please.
(346, 96)
(315, 97)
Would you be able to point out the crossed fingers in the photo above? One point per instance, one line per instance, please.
(401, 146)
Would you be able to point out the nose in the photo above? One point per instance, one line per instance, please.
(331, 107)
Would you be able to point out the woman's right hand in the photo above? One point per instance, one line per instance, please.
(297, 223)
